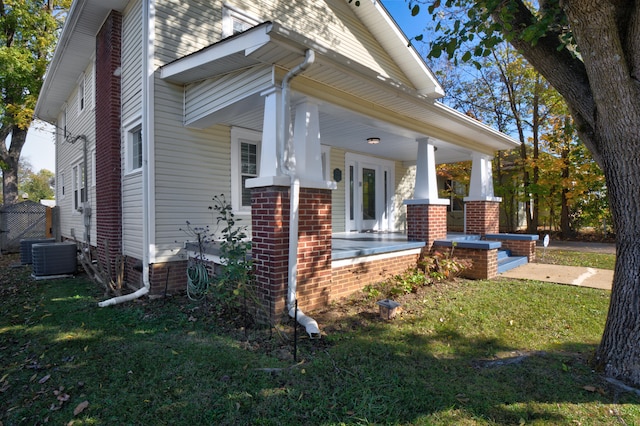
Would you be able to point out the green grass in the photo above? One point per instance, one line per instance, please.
(470, 352)
(576, 258)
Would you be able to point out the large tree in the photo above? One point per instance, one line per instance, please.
(589, 50)
(28, 30)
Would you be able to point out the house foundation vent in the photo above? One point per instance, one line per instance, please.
(54, 259)
(25, 248)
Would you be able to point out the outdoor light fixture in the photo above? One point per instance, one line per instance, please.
(373, 141)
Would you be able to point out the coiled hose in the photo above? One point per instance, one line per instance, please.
(197, 281)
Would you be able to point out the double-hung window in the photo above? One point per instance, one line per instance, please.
(133, 147)
(77, 173)
(245, 164)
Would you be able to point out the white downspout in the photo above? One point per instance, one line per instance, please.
(148, 13)
(289, 168)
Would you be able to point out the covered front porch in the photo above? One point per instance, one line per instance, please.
(324, 149)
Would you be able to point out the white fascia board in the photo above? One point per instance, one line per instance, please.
(502, 140)
(390, 36)
(246, 42)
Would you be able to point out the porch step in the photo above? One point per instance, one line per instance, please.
(507, 262)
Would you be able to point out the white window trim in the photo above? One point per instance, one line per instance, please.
(77, 182)
(229, 12)
(237, 136)
(81, 94)
(129, 131)
(62, 193)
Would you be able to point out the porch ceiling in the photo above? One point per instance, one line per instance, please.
(355, 102)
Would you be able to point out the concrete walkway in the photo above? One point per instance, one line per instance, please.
(571, 275)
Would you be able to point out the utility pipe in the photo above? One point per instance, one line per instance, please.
(288, 167)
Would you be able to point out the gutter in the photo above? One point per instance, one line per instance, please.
(288, 167)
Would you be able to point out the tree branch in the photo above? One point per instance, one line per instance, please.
(560, 68)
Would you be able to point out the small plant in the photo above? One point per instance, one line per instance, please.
(444, 266)
(234, 282)
(436, 268)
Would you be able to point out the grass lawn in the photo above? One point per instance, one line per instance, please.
(576, 258)
(465, 352)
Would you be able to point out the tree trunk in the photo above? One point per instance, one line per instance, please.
(616, 133)
(603, 94)
(11, 159)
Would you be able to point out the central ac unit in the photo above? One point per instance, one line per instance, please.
(25, 248)
(54, 259)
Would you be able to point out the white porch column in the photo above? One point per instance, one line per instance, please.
(426, 187)
(269, 152)
(481, 185)
(270, 172)
(307, 154)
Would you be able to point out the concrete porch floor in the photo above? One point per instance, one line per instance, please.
(346, 245)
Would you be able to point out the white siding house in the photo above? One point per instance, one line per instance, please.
(205, 89)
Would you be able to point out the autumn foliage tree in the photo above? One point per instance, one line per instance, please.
(589, 50)
(28, 32)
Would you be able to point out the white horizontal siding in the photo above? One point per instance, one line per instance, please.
(337, 196)
(191, 167)
(206, 97)
(131, 62)
(69, 155)
(132, 215)
(186, 27)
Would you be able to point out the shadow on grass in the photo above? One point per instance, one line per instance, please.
(163, 362)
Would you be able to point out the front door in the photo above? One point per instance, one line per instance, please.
(368, 193)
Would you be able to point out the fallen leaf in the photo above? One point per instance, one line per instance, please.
(589, 388)
(80, 407)
(44, 379)
(35, 376)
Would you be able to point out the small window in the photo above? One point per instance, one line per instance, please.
(78, 186)
(62, 124)
(81, 93)
(61, 184)
(235, 21)
(136, 149)
(245, 164)
(133, 155)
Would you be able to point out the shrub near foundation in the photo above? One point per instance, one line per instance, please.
(440, 267)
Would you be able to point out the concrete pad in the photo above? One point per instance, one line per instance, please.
(571, 275)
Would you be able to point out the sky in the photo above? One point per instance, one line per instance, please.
(39, 148)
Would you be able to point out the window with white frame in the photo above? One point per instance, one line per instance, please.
(60, 182)
(81, 93)
(235, 20)
(62, 123)
(77, 175)
(133, 154)
(245, 164)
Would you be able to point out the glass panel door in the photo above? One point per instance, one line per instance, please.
(369, 217)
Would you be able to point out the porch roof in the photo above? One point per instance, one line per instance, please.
(355, 101)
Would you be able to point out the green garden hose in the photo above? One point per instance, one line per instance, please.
(197, 281)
